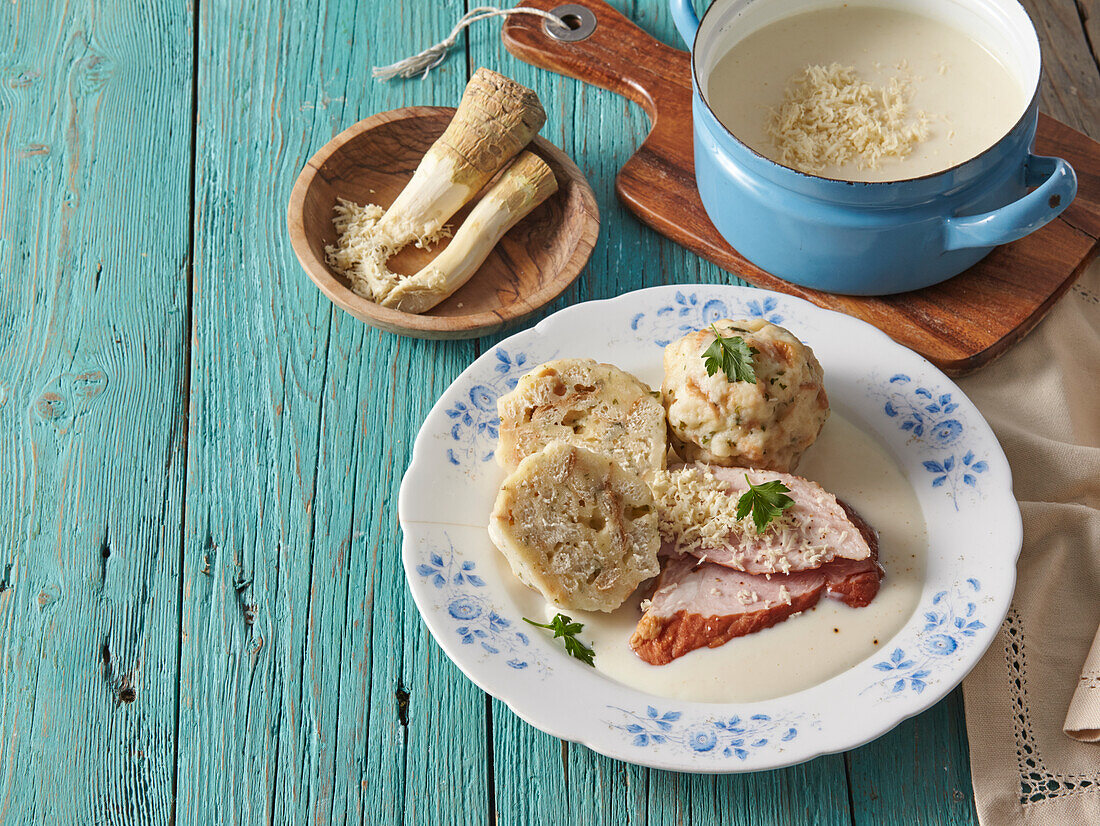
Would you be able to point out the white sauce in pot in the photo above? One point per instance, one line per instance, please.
(971, 100)
(806, 649)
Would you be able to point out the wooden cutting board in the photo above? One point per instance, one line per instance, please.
(959, 325)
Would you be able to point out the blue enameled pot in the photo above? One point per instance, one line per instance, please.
(882, 237)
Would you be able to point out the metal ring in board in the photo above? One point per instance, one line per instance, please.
(580, 22)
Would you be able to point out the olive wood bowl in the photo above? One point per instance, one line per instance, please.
(371, 161)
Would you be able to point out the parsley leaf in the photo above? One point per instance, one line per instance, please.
(564, 627)
(732, 356)
(766, 501)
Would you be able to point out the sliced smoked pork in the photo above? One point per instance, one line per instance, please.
(700, 603)
(697, 510)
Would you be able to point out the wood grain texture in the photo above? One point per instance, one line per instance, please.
(93, 314)
(1071, 77)
(919, 770)
(959, 325)
(811, 793)
(372, 161)
(308, 690)
(1088, 12)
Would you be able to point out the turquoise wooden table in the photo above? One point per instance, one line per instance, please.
(203, 616)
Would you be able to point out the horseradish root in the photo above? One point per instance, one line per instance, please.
(496, 118)
(523, 186)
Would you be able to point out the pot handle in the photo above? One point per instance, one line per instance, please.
(1057, 185)
(685, 18)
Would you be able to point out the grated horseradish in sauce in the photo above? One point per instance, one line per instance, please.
(831, 117)
(862, 93)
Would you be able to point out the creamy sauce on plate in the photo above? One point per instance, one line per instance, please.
(970, 99)
(806, 649)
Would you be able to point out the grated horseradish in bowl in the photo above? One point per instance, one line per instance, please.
(869, 149)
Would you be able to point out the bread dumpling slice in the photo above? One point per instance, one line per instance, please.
(588, 404)
(577, 527)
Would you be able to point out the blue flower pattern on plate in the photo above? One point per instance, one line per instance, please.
(691, 312)
(735, 737)
(949, 624)
(476, 621)
(952, 473)
(476, 423)
(764, 309)
(933, 423)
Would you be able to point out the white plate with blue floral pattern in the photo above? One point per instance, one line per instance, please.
(935, 434)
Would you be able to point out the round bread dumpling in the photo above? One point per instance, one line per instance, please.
(588, 404)
(767, 424)
(577, 527)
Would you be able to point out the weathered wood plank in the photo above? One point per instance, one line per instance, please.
(310, 693)
(529, 780)
(811, 793)
(95, 125)
(602, 790)
(1071, 80)
(921, 768)
(1089, 13)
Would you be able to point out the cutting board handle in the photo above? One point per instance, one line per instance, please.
(617, 55)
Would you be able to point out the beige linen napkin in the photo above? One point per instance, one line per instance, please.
(1042, 399)
(1083, 720)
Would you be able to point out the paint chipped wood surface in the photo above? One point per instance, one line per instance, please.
(203, 617)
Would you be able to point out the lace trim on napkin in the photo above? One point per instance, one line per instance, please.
(1037, 782)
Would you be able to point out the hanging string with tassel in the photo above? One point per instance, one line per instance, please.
(425, 61)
